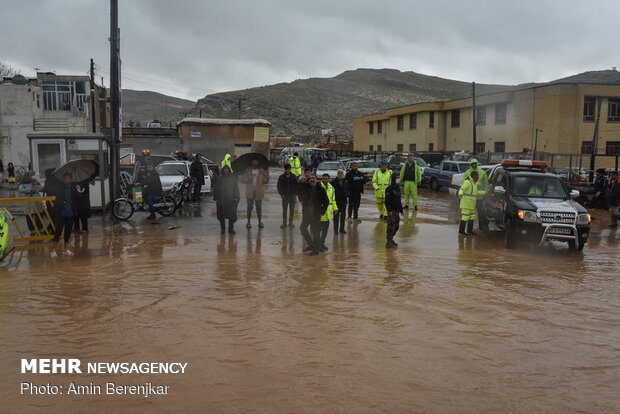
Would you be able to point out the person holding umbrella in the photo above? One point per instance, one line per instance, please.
(197, 173)
(64, 210)
(255, 178)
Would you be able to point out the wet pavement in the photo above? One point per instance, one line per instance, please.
(437, 325)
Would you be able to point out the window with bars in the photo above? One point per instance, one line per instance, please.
(587, 147)
(613, 111)
(371, 127)
(379, 127)
(589, 103)
(431, 119)
(500, 147)
(612, 148)
(413, 121)
(480, 147)
(400, 147)
(431, 146)
(500, 113)
(371, 148)
(379, 148)
(400, 122)
(412, 148)
(455, 118)
(481, 115)
(63, 95)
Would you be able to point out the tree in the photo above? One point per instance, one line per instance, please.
(8, 71)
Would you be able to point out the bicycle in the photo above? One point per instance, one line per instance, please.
(124, 207)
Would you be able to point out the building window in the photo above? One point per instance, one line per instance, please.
(480, 147)
(455, 118)
(500, 147)
(587, 147)
(613, 112)
(612, 148)
(400, 122)
(500, 114)
(413, 121)
(399, 147)
(379, 148)
(589, 103)
(431, 119)
(63, 96)
(412, 148)
(430, 146)
(481, 115)
(370, 148)
(379, 127)
(371, 127)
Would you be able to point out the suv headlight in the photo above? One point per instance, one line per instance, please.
(528, 216)
(583, 219)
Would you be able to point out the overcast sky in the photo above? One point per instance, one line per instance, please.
(193, 48)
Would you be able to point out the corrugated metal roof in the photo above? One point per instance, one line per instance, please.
(216, 121)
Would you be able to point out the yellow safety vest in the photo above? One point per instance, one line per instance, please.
(381, 181)
(331, 196)
(469, 191)
(295, 165)
(226, 161)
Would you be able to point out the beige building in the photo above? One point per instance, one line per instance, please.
(556, 117)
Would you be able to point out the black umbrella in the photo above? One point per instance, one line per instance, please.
(82, 171)
(244, 161)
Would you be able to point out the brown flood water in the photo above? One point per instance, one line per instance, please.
(436, 325)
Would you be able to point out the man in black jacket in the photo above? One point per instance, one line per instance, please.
(356, 180)
(601, 191)
(197, 173)
(152, 186)
(314, 203)
(287, 188)
(341, 190)
(394, 209)
(64, 210)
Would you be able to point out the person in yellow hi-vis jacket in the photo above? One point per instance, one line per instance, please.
(380, 181)
(483, 185)
(410, 176)
(226, 161)
(468, 194)
(332, 209)
(295, 164)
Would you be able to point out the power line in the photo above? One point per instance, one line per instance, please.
(141, 79)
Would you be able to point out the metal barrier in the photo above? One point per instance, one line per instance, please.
(32, 216)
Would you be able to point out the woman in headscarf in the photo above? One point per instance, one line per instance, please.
(226, 195)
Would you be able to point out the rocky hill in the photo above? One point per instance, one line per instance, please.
(302, 107)
(144, 106)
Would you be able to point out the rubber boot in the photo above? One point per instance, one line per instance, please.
(462, 228)
(470, 228)
(231, 227)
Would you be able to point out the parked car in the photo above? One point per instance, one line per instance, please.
(457, 179)
(171, 172)
(365, 166)
(396, 162)
(442, 176)
(329, 167)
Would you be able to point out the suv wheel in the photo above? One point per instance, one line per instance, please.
(576, 246)
(434, 184)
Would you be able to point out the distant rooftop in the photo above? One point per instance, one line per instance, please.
(599, 77)
(216, 121)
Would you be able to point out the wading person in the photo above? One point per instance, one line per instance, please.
(614, 198)
(332, 209)
(468, 194)
(380, 181)
(483, 186)
(226, 196)
(151, 186)
(287, 188)
(65, 207)
(314, 203)
(356, 180)
(394, 210)
(198, 174)
(341, 190)
(295, 164)
(601, 191)
(83, 210)
(410, 176)
(255, 179)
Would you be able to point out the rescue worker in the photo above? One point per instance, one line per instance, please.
(295, 163)
(226, 161)
(394, 210)
(380, 181)
(332, 209)
(314, 204)
(614, 198)
(410, 176)
(468, 194)
(483, 185)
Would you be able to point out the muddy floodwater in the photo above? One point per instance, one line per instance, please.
(438, 325)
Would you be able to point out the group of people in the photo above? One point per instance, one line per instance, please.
(607, 194)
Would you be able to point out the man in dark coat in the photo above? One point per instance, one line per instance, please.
(314, 203)
(287, 188)
(152, 184)
(341, 190)
(394, 209)
(197, 173)
(64, 210)
(356, 180)
(601, 191)
(614, 198)
(226, 195)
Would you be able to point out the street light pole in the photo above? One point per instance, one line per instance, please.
(536, 141)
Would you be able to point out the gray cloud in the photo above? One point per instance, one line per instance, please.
(192, 48)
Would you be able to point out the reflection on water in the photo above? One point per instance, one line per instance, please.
(440, 324)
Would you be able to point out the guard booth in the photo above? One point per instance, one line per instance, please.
(50, 151)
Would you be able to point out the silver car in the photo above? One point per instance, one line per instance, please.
(171, 172)
(329, 167)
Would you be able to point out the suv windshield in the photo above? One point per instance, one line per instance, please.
(330, 166)
(170, 169)
(543, 186)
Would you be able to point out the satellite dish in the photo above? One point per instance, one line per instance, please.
(19, 80)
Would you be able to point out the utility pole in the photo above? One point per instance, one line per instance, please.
(92, 95)
(536, 142)
(599, 103)
(473, 93)
(239, 108)
(114, 99)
